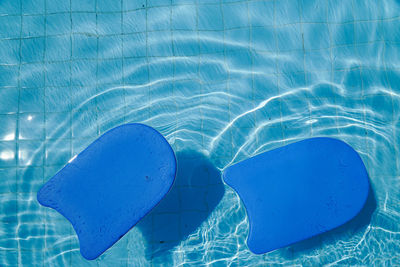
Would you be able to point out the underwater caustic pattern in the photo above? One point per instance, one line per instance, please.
(225, 80)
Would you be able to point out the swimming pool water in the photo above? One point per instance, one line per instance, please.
(223, 81)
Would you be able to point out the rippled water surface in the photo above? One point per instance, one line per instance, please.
(223, 81)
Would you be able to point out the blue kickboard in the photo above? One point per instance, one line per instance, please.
(111, 185)
(298, 191)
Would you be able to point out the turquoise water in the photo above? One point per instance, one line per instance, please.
(223, 81)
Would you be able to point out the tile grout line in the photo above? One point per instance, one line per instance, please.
(16, 160)
(44, 109)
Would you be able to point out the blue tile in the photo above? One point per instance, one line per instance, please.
(84, 23)
(195, 198)
(31, 100)
(264, 39)
(9, 127)
(340, 56)
(366, 32)
(84, 73)
(367, 10)
(186, 69)
(152, 3)
(234, 15)
(111, 118)
(372, 79)
(340, 11)
(33, 26)
(110, 47)
(134, 45)
(10, 7)
(7, 154)
(393, 77)
(58, 24)
(158, 19)
(58, 125)
(390, 12)
(186, 87)
(29, 179)
(79, 144)
(83, 97)
(237, 108)
(131, 5)
(286, 64)
(107, 6)
(369, 54)
(353, 82)
(58, 48)
(342, 34)
(8, 77)
(108, 99)
(9, 52)
(58, 74)
(392, 56)
(324, 90)
(157, 70)
(242, 90)
(270, 132)
(291, 81)
(316, 36)
(165, 227)
(210, 18)
(8, 183)
(265, 63)
(182, 2)
(287, 12)
(163, 90)
(32, 49)
(261, 13)
(8, 208)
(85, 123)
(58, 99)
(83, 5)
(211, 42)
(185, 46)
(380, 165)
(30, 153)
(390, 32)
(289, 38)
(239, 59)
(214, 70)
(109, 23)
(8, 100)
(112, 69)
(30, 237)
(53, 6)
(84, 46)
(136, 71)
(170, 203)
(31, 126)
(58, 152)
(134, 21)
(32, 75)
(11, 26)
(184, 18)
(233, 35)
(382, 108)
(33, 7)
(317, 61)
(159, 44)
(265, 87)
(313, 11)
